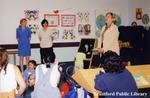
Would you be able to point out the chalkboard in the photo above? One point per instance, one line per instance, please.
(86, 46)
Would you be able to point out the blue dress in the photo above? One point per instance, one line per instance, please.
(23, 35)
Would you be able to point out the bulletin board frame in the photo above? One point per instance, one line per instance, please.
(68, 20)
(53, 19)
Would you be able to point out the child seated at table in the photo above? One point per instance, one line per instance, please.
(114, 78)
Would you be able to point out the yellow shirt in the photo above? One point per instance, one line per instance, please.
(79, 58)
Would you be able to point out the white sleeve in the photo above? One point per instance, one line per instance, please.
(39, 35)
(36, 74)
(100, 38)
(55, 76)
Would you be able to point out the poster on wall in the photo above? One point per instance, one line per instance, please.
(68, 34)
(68, 20)
(83, 17)
(55, 33)
(32, 17)
(138, 13)
(84, 29)
(118, 20)
(53, 19)
(145, 19)
(31, 14)
(34, 26)
(100, 22)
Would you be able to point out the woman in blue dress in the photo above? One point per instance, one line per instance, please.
(23, 35)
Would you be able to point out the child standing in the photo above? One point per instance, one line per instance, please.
(23, 35)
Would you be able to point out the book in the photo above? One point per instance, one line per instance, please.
(140, 80)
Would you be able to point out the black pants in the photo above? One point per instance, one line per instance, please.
(45, 52)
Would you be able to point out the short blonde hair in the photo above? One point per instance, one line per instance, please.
(23, 19)
(113, 16)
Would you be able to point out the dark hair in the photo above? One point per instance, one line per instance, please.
(49, 58)
(3, 59)
(33, 62)
(44, 21)
(111, 62)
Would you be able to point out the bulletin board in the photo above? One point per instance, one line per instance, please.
(67, 24)
(53, 19)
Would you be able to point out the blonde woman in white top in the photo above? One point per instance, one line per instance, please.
(109, 35)
(46, 40)
(9, 77)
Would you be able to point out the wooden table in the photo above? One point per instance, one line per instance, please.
(85, 77)
(13, 52)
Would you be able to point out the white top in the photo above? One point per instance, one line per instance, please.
(110, 41)
(55, 74)
(8, 81)
(46, 38)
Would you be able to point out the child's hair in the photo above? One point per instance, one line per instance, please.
(50, 58)
(3, 59)
(30, 76)
(33, 62)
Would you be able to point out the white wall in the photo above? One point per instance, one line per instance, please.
(144, 4)
(13, 10)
